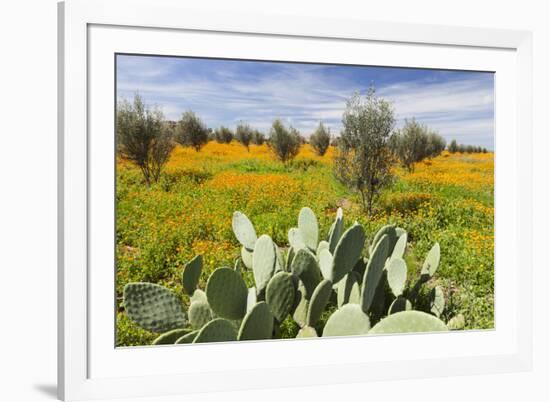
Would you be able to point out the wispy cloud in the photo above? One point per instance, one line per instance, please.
(459, 105)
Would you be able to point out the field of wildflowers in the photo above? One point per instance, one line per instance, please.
(448, 199)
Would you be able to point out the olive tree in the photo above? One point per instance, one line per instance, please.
(223, 135)
(363, 159)
(453, 147)
(320, 139)
(258, 137)
(244, 134)
(191, 131)
(143, 137)
(284, 142)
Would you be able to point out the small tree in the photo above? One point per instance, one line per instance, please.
(453, 147)
(143, 137)
(410, 144)
(258, 137)
(436, 145)
(284, 142)
(244, 135)
(223, 135)
(191, 131)
(320, 139)
(363, 159)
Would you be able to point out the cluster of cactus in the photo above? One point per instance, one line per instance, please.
(300, 283)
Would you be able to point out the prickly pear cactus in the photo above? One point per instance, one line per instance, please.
(191, 274)
(227, 293)
(325, 263)
(437, 302)
(349, 290)
(323, 245)
(199, 314)
(409, 321)
(457, 322)
(257, 324)
(347, 320)
(246, 257)
(373, 272)
(296, 239)
(399, 304)
(198, 295)
(280, 294)
(336, 230)
(244, 230)
(400, 246)
(170, 337)
(187, 338)
(318, 302)
(309, 228)
(432, 262)
(391, 233)
(397, 275)
(217, 330)
(307, 332)
(302, 305)
(347, 252)
(305, 266)
(153, 307)
(264, 260)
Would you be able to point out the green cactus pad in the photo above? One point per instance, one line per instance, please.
(305, 266)
(263, 262)
(336, 231)
(318, 302)
(227, 293)
(397, 275)
(437, 301)
(170, 337)
(244, 230)
(325, 263)
(347, 252)
(348, 289)
(456, 323)
(431, 262)
(289, 257)
(347, 320)
(409, 321)
(296, 239)
(199, 314)
(307, 332)
(308, 226)
(246, 257)
(280, 295)
(302, 306)
(187, 338)
(388, 230)
(373, 272)
(191, 274)
(323, 244)
(217, 330)
(251, 299)
(399, 304)
(360, 266)
(280, 261)
(153, 307)
(198, 295)
(400, 246)
(257, 324)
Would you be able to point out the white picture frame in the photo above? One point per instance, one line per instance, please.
(90, 32)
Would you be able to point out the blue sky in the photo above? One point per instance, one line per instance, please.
(458, 104)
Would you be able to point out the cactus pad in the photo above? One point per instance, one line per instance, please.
(244, 230)
(431, 262)
(296, 239)
(198, 295)
(191, 274)
(397, 275)
(305, 266)
(388, 230)
(309, 228)
(409, 321)
(257, 324)
(187, 338)
(199, 314)
(227, 293)
(323, 244)
(437, 301)
(456, 323)
(217, 330)
(325, 263)
(347, 252)
(373, 272)
(302, 305)
(347, 320)
(280, 295)
(399, 304)
(264, 260)
(251, 299)
(336, 231)
(307, 332)
(348, 289)
(400, 246)
(153, 307)
(170, 337)
(318, 302)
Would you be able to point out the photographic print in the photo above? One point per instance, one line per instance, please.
(262, 200)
